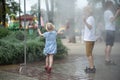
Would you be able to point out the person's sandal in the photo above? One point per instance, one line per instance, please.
(89, 70)
(110, 63)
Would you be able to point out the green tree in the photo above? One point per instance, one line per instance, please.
(2, 11)
(8, 7)
(94, 2)
(50, 9)
(34, 9)
(65, 12)
(65, 9)
(13, 7)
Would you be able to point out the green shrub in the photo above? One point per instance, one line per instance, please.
(12, 48)
(4, 32)
(10, 52)
(61, 49)
(19, 35)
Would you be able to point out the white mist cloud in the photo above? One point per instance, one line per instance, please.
(81, 3)
(29, 3)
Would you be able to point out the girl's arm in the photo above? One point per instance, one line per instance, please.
(88, 25)
(59, 32)
(39, 32)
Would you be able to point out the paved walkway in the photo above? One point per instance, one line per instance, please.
(70, 68)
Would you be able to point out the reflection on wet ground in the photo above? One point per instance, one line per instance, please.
(70, 68)
(64, 69)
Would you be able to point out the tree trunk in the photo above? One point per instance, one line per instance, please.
(103, 3)
(3, 12)
(50, 12)
(47, 8)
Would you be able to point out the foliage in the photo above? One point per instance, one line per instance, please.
(118, 21)
(61, 49)
(4, 32)
(94, 2)
(10, 52)
(118, 26)
(12, 48)
(14, 25)
(8, 7)
(12, 7)
(20, 35)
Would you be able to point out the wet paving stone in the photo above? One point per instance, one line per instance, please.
(11, 76)
(70, 68)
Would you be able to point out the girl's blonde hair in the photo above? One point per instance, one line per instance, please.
(50, 27)
(88, 9)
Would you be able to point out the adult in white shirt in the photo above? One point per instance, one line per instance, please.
(109, 19)
(89, 37)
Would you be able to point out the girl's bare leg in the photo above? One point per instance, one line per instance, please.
(91, 62)
(47, 61)
(50, 60)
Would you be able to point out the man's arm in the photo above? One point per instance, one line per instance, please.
(116, 15)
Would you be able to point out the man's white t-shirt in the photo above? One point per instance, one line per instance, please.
(89, 34)
(108, 24)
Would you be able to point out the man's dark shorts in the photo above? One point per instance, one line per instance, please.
(110, 37)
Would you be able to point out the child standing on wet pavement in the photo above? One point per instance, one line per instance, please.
(50, 45)
(89, 37)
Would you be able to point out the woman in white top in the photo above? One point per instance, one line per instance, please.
(89, 37)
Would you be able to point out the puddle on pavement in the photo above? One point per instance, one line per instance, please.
(69, 70)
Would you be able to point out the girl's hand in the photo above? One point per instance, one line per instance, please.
(40, 33)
